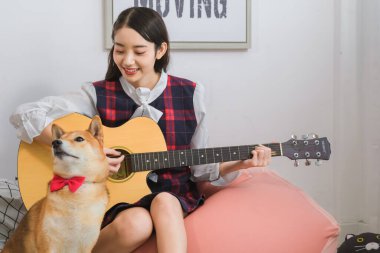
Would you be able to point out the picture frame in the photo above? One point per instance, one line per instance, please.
(194, 24)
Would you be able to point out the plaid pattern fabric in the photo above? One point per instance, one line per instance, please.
(12, 209)
(114, 106)
(178, 125)
(178, 121)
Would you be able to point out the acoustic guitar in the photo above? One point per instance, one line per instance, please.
(143, 144)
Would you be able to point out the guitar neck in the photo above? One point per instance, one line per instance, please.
(176, 158)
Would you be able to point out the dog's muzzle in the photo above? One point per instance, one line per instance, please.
(56, 144)
(58, 151)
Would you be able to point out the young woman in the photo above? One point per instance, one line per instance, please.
(136, 84)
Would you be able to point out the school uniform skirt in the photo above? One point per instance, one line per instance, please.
(175, 181)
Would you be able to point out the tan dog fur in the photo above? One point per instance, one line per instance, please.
(66, 221)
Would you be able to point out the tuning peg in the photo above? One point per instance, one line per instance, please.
(313, 135)
(305, 136)
(296, 163)
(294, 139)
(307, 162)
(318, 162)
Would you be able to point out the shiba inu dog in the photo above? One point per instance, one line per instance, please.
(68, 219)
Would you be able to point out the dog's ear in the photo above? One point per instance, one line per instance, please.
(96, 130)
(56, 132)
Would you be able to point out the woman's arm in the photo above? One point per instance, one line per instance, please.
(45, 136)
(34, 119)
(261, 157)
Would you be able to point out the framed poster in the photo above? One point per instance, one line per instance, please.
(194, 24)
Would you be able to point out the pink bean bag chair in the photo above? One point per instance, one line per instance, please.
(259, 212)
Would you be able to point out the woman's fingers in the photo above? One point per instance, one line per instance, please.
(114, 159)
(261, 156)
(110, 151)
(114, 163)
(266, 154)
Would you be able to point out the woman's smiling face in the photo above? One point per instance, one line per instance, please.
(135, 57)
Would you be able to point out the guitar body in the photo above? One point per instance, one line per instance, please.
(139, 135)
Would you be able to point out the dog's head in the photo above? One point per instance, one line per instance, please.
(80, 153)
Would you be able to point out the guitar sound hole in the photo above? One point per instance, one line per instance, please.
(123, 173)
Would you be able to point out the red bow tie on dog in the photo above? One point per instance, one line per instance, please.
(58, 183)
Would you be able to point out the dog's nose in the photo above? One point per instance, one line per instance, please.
(56, 143)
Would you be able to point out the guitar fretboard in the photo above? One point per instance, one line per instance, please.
(177, 158)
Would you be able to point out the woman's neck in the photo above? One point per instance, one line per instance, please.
(148, 82)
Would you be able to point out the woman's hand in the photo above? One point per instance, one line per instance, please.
(261, 157)
(113, 162)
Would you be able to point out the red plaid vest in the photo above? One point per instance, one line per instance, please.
(178, 125)
(178, 121)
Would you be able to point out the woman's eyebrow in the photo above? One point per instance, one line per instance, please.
(119, 44)
(136, 46)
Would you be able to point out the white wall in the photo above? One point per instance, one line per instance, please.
(369, 91)
(357, 115)
(348, 179)
(46, 48)
(292, 80)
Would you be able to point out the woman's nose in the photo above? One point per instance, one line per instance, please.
(128, 60)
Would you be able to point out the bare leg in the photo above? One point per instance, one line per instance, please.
(167, 215)
(130, 229)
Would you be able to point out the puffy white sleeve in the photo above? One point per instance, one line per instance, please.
(31, 118)
(206, 172)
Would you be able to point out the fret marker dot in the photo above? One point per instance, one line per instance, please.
(181, 153)
(217, 154)
(155, 160)
(234, 153)
(166, 159)
(147, 161)
(201, 155)
(183, 163)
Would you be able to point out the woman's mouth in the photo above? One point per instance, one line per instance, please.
(130, 71)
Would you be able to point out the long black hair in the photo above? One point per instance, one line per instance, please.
(150, 25)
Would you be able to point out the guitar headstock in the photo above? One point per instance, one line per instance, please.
(309, 147)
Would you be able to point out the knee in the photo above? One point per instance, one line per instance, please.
(132, 226)
(165, 204)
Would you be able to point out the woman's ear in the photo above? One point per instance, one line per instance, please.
(161, 51)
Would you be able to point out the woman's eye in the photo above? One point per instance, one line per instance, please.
(140, 53)
(119, 52)
(79, 139)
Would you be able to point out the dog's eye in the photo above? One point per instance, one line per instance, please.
(79, 139)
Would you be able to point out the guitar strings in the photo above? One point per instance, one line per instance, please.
(175, 158)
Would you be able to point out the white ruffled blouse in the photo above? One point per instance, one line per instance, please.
(31, 118)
